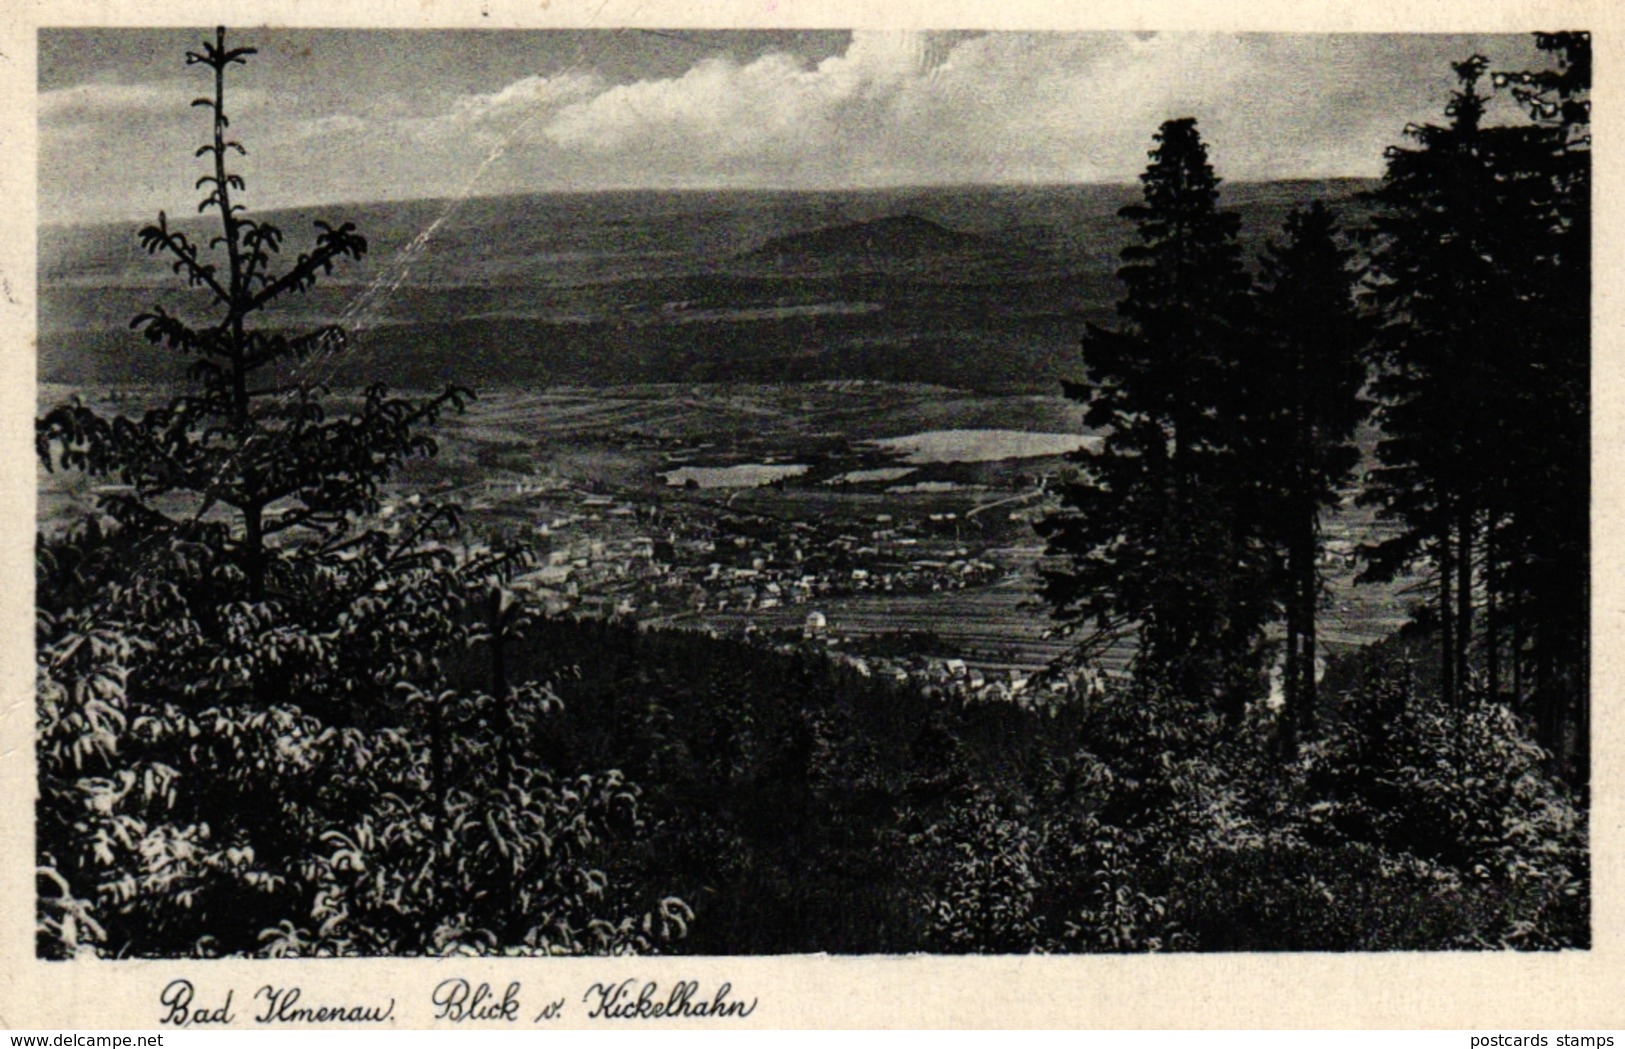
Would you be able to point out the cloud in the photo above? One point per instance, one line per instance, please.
(716, 106)
(99, 100)
(901, 107)
(337, 125)
(160, 100)
(891, 108)
(525, 97)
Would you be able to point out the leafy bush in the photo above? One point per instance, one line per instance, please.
(238, 829)
(988, 860)
(1464, 788)
(1410, 827)
(1282, 894)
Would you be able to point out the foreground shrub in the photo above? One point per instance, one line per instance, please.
(989, 874)
(1410, 827)
(1464, 788)
(235, 829)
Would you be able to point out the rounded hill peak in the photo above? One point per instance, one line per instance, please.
(904, 236)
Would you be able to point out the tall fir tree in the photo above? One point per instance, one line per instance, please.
(1158, 534)
(239, 516)
(1433, 274)
(1538, 540)
(1479, 273)
(1314, 338)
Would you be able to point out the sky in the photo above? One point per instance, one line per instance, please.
(350, 116)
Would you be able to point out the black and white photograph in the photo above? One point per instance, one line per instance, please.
(706, 492)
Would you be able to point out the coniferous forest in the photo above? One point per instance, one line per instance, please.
(284, 712)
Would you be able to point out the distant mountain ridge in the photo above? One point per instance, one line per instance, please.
(905, 236)
(579, 289)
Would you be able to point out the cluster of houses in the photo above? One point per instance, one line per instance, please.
(606, 555)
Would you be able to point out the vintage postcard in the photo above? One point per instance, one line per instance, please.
(758, 514)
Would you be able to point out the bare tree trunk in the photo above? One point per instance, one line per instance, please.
(1464, 594)
(1311, 595)
(1301, 608)
(1582, 746)
(1518, 703)
(254, 550)
(1492, 640)
(1289, 679)
(1447, 633)
(1549, 718)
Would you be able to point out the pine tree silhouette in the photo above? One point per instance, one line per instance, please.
(1158, 534)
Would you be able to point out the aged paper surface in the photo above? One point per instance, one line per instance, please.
(1574, 990)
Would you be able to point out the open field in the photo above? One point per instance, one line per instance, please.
(898, 513)
(834, 434)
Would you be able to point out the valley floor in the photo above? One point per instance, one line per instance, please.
(889, 522)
